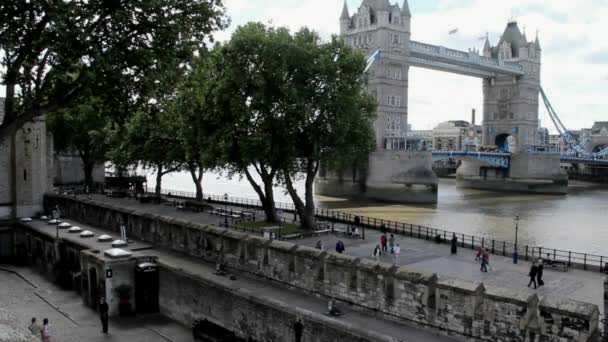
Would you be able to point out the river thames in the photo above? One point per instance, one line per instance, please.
(577, 221)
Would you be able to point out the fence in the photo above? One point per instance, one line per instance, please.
(584, 261)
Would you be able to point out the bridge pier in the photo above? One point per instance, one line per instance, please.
(528, 172)
(394, 176)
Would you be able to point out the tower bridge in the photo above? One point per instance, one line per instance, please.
(510, 75)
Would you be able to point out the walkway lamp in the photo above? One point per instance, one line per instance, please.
(515, 246)
(226, 210)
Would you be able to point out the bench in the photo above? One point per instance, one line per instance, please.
(556, 264)
(322, 231)
(291, 236)
(339, 231)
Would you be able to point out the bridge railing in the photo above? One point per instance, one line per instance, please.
(585, 261)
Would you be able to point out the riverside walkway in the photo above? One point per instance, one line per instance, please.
(425, 256)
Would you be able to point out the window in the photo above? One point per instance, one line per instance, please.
(360, 23)
(396, 20)
(394, 38)
(394, 101)
(393, 73)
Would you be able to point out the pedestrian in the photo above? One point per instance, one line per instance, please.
(397, 251)
(484, 259)
(377, 252)
(479, 253)
(454, 243)
(391, 243)
(46, 333)
(319, 245)
(340, 246)
(103, 314)
(539, 273)
(298, 329)
(35, 328)
(533, 273)
(383, 242)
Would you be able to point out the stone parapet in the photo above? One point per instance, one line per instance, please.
(450, 305)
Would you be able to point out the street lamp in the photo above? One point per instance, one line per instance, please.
(515, 246)
(226, 210)
(56, 215)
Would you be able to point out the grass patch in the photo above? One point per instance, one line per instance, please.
(286, 228)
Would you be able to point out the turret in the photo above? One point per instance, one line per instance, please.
(487, 49)
(405, 9)
(344, 19)
(537, 43)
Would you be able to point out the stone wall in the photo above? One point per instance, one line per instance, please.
(185, 298)
(457, 306)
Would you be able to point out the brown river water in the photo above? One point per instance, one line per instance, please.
(577, 221)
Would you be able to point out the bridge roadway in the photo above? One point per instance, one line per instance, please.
(429, 257)
(502, 159)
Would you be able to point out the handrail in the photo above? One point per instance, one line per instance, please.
(586, 261)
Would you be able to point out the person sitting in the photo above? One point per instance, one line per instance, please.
(332, 309)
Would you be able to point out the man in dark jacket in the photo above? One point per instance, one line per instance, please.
(103, 314)
(532, 274)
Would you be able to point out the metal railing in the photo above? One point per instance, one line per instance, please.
(585, 261)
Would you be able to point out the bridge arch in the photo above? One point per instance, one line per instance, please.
(506, 142)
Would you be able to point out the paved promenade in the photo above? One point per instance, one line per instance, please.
(28, 295)
(431, 257)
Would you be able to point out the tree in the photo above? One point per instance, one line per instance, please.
(53, 53)
(197, 131)
(86, 128)
(329, 116)
(249, 95)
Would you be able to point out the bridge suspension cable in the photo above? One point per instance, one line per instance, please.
(576, 147)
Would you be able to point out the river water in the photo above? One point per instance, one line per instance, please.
(577, 221)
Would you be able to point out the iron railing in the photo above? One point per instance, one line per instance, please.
(585, 261)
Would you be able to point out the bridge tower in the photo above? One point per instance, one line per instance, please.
(392, 173)
(379, 25)
(510, 103)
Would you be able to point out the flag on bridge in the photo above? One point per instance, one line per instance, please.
(371, 60)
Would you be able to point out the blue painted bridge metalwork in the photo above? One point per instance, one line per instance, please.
(495, 159)
(503, 159)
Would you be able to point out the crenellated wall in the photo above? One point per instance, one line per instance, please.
(457, 306)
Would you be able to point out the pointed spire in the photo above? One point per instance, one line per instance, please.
(405, 9)
(537, 42)
(524, 34)
(345, 14)
(486, 45)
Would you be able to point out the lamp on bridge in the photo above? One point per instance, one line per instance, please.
(226, 210)
(515, 246)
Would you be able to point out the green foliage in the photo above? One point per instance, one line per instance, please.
(54, 52)
(86, 128)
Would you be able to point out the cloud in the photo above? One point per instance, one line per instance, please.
(598, 57)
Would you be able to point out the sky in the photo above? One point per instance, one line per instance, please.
(572, 37)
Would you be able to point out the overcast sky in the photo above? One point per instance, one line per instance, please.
(572, 36)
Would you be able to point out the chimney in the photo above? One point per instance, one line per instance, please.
(473, 116)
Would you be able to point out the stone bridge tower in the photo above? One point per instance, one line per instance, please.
(379, 25)
(510, 105)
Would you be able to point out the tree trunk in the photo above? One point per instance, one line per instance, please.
(88, 174)
(159, 179)
(197, 177)
(266, 196)
(307, 216)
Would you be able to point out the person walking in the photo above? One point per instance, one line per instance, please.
(479, 254)
(35, 328)
(454, 244)
(391, 243)
(539, 273)
(533, 273)
(396, 252)
(484, 258)
(103, 314)
(340, 246)
(46, 334)
(383, 242)
(377, 252)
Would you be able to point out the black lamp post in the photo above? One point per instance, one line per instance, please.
(56, 216)
(226, 210)
(515, 256)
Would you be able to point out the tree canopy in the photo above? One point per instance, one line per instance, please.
(54, 52)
